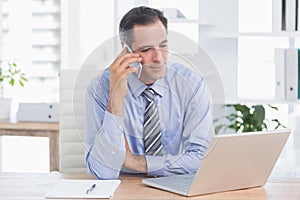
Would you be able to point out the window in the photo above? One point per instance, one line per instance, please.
(31, 37)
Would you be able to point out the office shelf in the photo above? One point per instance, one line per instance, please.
(46, 10)
(45, 44)
(262, 101)
(191, 21)
(227, 34)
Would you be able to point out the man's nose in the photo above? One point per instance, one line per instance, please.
(157, 55)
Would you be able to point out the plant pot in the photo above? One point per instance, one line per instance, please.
(5, 108)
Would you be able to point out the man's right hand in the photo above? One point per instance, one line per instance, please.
(119, 72)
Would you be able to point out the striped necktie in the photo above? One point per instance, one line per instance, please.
(152, 129)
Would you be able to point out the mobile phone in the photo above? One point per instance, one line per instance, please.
(135, 64)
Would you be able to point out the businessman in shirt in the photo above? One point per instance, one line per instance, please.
(157, 123)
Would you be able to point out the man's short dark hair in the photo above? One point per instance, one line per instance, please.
(141, 16)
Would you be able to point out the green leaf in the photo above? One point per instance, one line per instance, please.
(265, 126)
(24, 79)
(218, 128)
(12, 82)
(21, 83)
(17, 71)
(278, 124)
(233, 126)
(259, 114)
(273, 107)
(232, 117)
(242, 108)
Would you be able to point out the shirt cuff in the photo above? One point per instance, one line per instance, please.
(113, 123)
(155, 165)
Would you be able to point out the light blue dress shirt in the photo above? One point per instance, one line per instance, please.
(184, 105)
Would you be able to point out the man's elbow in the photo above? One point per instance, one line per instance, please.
(103, 172)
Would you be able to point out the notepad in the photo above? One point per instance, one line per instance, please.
(78, 189)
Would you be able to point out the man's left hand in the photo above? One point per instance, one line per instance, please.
(134, 162)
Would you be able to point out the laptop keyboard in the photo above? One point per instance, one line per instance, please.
(177, 182)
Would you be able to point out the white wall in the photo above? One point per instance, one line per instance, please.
(85, 25)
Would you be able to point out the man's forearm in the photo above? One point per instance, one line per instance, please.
(136, 163)
(115, 106)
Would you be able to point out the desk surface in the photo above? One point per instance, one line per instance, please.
(34, 186)
(29, 126)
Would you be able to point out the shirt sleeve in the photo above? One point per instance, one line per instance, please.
(105, 145)
(196, 136)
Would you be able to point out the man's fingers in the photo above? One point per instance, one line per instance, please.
(123, 57)
(125, 64)
(131, 70)
(126, 72)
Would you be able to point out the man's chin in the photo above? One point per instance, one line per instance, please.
(152, 79)
(158, 76)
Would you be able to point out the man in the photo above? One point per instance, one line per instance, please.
(159, 123)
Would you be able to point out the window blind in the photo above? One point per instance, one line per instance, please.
(31, 36)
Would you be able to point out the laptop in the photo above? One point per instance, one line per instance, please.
(232, 162)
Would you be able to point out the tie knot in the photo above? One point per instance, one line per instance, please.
(149, 94)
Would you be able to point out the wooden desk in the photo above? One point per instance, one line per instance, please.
(35, 185)
(50, 130)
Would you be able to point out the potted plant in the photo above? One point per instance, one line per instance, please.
(12, 74)
(247, 119)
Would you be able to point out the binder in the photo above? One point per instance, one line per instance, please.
(291, 77)
(277, 15)
(290, 19)
(279, 58)
(38, 112)
(298, 73)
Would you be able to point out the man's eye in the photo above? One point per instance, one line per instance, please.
(145, 50)
(164, 46)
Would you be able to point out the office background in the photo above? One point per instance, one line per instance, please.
(45, 36)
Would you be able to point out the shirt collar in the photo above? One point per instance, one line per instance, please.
(159, 86)
(136, 86)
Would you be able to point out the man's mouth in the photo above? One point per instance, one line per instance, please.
(154, 65)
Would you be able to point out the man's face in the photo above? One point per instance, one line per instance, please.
(151, 43)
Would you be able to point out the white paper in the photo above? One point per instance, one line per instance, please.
(77, 189)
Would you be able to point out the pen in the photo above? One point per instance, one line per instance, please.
(91, 189)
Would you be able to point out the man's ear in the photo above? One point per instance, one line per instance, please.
(122, 43)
